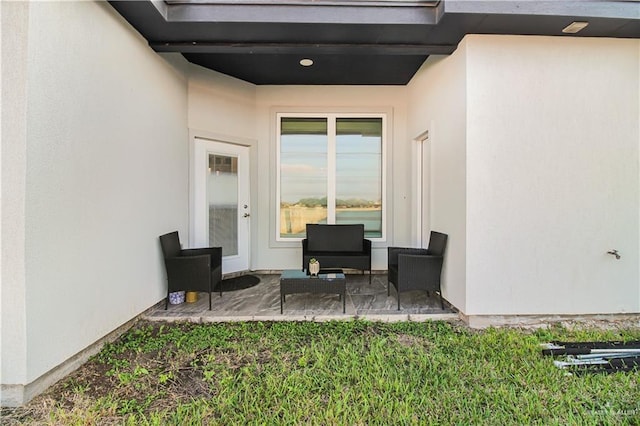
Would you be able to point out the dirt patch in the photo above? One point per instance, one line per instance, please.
(408, 340)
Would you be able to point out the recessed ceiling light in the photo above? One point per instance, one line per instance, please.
(306, 62)
(574, 27)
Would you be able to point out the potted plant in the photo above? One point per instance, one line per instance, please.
(314, 267)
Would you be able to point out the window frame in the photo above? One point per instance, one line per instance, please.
(332, 118)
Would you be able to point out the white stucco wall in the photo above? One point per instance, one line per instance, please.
(535, 172)
(13, 345)
(553, 176)
(106, 170)
(437, 103)
(220, 104)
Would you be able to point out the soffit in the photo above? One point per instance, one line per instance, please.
(352, 42)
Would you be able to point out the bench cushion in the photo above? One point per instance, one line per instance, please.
(332, 238)
(337, 254)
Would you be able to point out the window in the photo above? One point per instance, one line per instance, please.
(330, 170)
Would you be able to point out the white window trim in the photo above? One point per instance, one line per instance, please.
(331, 120)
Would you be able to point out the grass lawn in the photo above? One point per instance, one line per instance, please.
(335, 373)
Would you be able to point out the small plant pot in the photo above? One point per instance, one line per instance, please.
(314, 268)
(192, 296)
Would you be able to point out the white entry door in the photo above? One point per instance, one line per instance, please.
(220, 213)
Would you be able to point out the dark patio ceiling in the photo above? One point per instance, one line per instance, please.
(352, 42)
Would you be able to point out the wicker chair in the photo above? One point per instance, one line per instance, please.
(417, 269)
(190, 269)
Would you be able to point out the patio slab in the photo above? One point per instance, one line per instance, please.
(262, 303)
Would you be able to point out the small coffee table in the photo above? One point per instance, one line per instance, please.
(293, 281)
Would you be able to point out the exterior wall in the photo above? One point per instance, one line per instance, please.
(270, 254)
(13, 345)
(105, 167)
(221, 104)
(553, 175)
(534, 172)
(437, 103)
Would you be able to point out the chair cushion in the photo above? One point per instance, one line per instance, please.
(170, 244)
(345, 238)
(337, 254)
(437, 243)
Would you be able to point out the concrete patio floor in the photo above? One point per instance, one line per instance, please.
(262, 303)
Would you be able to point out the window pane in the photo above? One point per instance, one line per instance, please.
(359, 173)
(303, 174)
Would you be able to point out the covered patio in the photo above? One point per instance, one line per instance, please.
(515, 138)
(262, 303)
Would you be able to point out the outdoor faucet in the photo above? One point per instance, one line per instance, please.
(614, 253)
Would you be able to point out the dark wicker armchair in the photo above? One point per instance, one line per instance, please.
(190, 269)
(417, 269)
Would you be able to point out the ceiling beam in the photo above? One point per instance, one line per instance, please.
(318, 49)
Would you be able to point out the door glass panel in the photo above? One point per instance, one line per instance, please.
(222, 199)
(359, 173)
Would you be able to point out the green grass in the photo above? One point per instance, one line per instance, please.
(337, 373)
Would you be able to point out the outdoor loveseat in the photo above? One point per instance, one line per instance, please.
(337, 246)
